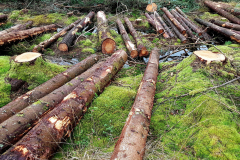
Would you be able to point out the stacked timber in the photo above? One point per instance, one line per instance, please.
(165, 34)
(155, 24)
(226, 24)
(16, 28)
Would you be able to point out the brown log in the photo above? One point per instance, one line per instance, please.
(108, 44)
(132, 141)
(180, 36)
(23, 101)
(44, 138)
(129, 44)
(238, 32)
(20, 35)
(16, 28)
(224, 31)
(72, 34)
(165, 34)
(227, 8)
(155, 24)
(174, 21)
(140, 46)
(166, 28)
(226, 24)
(3, 17)
(223, 13)
(41, 46)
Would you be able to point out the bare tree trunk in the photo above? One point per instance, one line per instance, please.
(70, 37)
(44, 138)
(132, 141)
(155, 24)
(165, 34)
(3, 17)
(140, 46)
(41, 46)
(227, 8)
(20, 35)
(107, 42)
(16, 28)
(226, 24)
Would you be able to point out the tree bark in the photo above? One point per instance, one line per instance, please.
(44, 138)
(224, 31)
(3, 17)
(165, 34)
(16, 28)
(108, 44)
(41, 46)
(23, 101)
(226, 24)
(155, 24)
(70, 37)
(174, 21)
(132, 141)
(129, 44)
(223, 13)
(180, 36)
(140, 46)
(20, 35)
(227, 8)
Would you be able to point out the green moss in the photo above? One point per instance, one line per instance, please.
(14, 15)
(114, 33)
(45, 19)
(208, 16)
(87, 42)
(88, 50)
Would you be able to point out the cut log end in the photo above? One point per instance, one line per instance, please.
(108, 46)
(27, 57)
(134, 53)
(63, 47)
(208, 56)
(144, 52)
(151, 7)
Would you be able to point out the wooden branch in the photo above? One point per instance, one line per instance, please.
(16, 28)
(165, 34)
(226, 24)
(156, 25)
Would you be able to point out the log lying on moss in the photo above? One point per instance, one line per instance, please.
(224, 31)
(108, 44)
(3, 17)
(70, 37)
(20, 35)
(165, 34)
(226, 24)
(155, 24)
(132, 141)
(23, 101)
(208, 56)
(41, 46)
(27, 57)
(227, 8)
(140, 46)
(16, 28)
(58, 123)
(129, 44)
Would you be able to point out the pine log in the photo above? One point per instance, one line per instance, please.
(20, 35)
(165, 34)
(223, 13)
(226, 24)
(155, 24)
(180, 36)
(41, 46)
(16, 28)
(108, 44)
(166, 28)
(224, 31)
(174, 21)
(72, 34)
(140, 46)
(23, 101)
(227, 8)
(132, 141)
(3, 17)
(129, 44)
(44, 138)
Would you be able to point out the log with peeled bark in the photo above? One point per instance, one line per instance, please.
(179, 35)
(41, 46)
(44, 138)
(129, 44)
(140, 46)
(165, 34)
(174, 21)
(155, 24)
(132, 141)
(16, 28)
(108, 44)
(72, 34)
(20, 35)
(226, 24)
(223, 13)
(3, 17)
(26, 99)
(224, 31)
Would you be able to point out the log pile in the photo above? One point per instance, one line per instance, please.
(155, 24)
(16, 28)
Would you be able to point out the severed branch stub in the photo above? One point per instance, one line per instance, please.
(27, 57)
(208, 56)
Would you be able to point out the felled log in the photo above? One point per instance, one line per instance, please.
(44, 138)
(108, 44)
(155, 24)
(3, 17)
(223, 13)
(174, 21)
(16, 28)
(23, 101)
(165, 34)
(41, 46)
(224, 31)
(132, 141)
(27, 57)
(179, 35)
(20, 35)
(227, 8)
(129, 44)
(208, 56)
(140, 46)
(226, 24)
(151, 7)
(72, 34)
